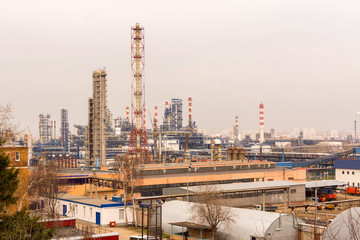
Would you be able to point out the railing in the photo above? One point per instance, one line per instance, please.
(90, 230)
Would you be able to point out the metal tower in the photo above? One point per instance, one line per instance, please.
(64, 129)
(138, 147)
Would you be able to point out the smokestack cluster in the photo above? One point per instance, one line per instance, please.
(262, 139)
(67, 162)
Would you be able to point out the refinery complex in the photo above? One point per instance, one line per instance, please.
(115, 169)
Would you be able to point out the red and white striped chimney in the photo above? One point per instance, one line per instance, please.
(156, 117)
(127, 114)
(166, 105)
(52, 130)
(237, 121)
(190, 111)
(262, 137)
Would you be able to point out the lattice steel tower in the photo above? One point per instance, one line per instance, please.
(138, 148)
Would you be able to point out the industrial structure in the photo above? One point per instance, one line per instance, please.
(96, 129)
(64, 129)
(138, 146)
(262, 137)
(44, 128)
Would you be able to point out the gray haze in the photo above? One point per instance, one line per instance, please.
(300, 58)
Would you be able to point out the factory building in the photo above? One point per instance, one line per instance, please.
(96, 130)
(348, 170)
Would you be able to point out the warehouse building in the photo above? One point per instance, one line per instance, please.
(247, 224)
(248, 194)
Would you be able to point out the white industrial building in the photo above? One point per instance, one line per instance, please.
(93, 210)
(247, 225)
(348, 171)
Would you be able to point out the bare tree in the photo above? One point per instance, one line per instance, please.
(208, 210)
(345, 226)
(130, 176)
(46, 184)
(8, 129)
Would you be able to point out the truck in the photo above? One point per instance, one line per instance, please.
(353, 191)
(326, 194)
(268, 209)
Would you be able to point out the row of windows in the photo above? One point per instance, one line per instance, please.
(348, 172)
(76, 211)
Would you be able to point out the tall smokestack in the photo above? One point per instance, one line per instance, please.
(156, 117)
(262, 139)
(54, 130)
(166, 105)
(190, 112)
(237, 121)
(127, 114)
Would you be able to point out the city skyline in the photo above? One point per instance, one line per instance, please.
(299, 58)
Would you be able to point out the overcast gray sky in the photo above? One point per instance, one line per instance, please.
(300, 57)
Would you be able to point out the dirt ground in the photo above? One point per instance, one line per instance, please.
(124, 232)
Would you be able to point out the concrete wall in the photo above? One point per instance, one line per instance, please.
(350, 176)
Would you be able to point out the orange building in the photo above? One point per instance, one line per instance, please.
(19, 159)
(157, 177)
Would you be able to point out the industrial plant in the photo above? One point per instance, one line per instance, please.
(123, 170)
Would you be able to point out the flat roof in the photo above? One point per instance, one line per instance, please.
(347, 164)
(219, 173)
(324, 183)
(89, 201)
(190, 225)
(248, 185)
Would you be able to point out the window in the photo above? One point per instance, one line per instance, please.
(84, 210)
(106, 197)
(358, 184)
(353, 172)
(76, 208)
(17, 156)
(121, 213)
(91, 212)
(343, 172)
(347, 172)
(353, 184)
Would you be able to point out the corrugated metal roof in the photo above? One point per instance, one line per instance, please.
(347, 164)
(88, 201)
(246, 222)
(324, 183)
(345, 226)
(249, 185)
